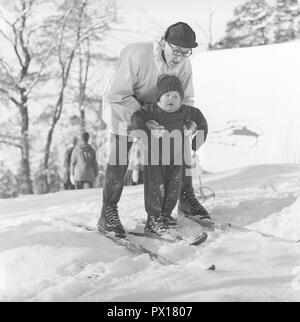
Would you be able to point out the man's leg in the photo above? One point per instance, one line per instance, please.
(188, 203)
(113, 185)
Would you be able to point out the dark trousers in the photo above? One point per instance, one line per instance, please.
(162, 184)
(69, 186)
(83, 185)
(116, 173)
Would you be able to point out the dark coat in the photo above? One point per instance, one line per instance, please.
(84, 165)
(171, 122)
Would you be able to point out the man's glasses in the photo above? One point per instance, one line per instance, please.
(178, 52)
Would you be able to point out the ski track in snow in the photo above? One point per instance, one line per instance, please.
(43, 257)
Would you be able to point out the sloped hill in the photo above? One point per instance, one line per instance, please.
(44, 257)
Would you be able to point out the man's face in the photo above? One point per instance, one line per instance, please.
(175, 55)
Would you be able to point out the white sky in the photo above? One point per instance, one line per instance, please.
(194, 12)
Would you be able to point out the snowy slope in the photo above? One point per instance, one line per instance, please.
(45, 258)
(251, 99)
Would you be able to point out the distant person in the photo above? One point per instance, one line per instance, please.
(163, 180)
(84, 167)
(68, 185)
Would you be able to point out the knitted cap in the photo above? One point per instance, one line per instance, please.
(182, 35)
(168, 83)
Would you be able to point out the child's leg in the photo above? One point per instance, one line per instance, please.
(153, 188)
(173, 182)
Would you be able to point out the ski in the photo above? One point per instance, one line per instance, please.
(132, 246)
(212, 224)
(197, 241)
(135, 247)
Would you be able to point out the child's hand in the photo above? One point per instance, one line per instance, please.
(190, 129)
(153, 125)
(156, 129)
(159, 133)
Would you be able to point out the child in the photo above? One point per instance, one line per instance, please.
(162, 182)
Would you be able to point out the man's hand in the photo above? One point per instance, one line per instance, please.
(191, 128)
(156, 129)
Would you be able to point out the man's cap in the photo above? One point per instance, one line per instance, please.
(182, 35)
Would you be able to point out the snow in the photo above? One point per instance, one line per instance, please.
(45, 257)
(251, 100)
(255, 88)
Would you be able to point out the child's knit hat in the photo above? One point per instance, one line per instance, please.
(168, 83)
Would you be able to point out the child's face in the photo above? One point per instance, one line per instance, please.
(170, 102)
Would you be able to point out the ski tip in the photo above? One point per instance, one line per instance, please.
(199, 240)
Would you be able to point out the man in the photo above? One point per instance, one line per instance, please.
(84, 167)
(133, 85)
(68, 185)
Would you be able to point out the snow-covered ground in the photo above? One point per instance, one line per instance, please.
(43, 257)
(251, 99)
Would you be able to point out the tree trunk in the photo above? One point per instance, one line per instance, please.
(25, 164)
(46, 160)
(56, 116)
(82, 120)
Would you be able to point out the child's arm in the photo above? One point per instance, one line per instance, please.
(194, 114)
(139, 120)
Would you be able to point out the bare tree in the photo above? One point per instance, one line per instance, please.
(95, 24)
(208, 34)
(20, 70)
(75, 30)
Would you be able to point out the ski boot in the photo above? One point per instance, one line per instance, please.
(109, 222)
(189, 206)
(169, 220)
(156, 224)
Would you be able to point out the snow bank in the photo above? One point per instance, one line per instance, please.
(45, 257)
(251, 99)
(284, 224)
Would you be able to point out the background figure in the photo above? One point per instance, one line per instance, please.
(68, 185)
(84, 167)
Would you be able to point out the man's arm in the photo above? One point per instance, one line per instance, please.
(121, 94)
(187, 82)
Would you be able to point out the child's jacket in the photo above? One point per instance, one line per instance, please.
(158, 149)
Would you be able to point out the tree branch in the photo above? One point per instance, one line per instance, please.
(10, 140)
